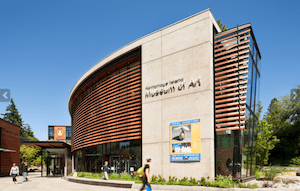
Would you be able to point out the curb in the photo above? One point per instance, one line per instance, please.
(99, 182)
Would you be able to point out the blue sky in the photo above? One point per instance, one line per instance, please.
(46, 46)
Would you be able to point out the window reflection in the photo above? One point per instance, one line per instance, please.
(123, 157)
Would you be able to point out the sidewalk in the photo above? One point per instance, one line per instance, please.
(38, 183)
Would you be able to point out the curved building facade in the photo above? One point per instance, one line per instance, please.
(176, 96)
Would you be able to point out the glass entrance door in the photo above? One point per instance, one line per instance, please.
(115, 164)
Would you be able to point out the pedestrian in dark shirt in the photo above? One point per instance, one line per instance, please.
(105, 169)
(146, 176)
(24, 172)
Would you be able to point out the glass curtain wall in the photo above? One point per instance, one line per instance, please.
(235, 139)
(122, 157)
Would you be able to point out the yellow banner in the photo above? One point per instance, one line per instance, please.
(185, 140)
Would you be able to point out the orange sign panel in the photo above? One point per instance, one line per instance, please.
(60, 132)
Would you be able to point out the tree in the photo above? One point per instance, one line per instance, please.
(12, 115)
(29, 154)
(222, 27)
(265, 140)
(284, 116)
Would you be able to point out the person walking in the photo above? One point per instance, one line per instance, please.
(74, 173)
(24, 172)
(14, 171)
(106, 169)
(146, 176)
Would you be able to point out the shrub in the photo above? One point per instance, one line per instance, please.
(193, 181)
(172, 180)
(101, 174)
(271, 172)
(114, 177)
(223, 182)
(161, 179)
(80, 174)
(295, 161)
(154, 178)
(126, 177)
(136, 179)
(95, 176)
(253, 186)
(71, 174)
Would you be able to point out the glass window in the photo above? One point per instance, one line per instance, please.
(78, 161)
(257, 93)
(258, 63)
(251, 45)
(249, 83)
(254, 52)
(51, 132)
(253, 135)
(246, 158)
(253, 94)
(68, 132)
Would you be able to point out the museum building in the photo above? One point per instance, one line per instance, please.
(185, 96)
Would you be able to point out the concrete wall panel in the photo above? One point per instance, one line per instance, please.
(153, 50)
(186, 51)
(190, 36)
(152, 131)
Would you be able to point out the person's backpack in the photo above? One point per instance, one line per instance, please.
(140, 171)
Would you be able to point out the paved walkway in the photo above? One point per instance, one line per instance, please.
(38, 183)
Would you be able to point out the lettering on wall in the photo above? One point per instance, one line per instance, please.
(177, 84)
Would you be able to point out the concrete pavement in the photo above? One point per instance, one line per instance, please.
(38, 183)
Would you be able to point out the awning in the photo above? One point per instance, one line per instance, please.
(6, 150)
(47, 144)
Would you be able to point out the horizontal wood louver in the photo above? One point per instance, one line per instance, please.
(231, 61)
(110, 109)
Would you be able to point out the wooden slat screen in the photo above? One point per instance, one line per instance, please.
(110, 109)
(231, 59)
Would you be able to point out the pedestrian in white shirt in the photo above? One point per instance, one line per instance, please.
(14, 171)
(75, 173)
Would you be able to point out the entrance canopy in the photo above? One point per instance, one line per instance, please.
(47, 144)
(58, 160)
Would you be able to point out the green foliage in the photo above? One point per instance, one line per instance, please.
(284, 116)
(295, 161)
(172, 180)
(265, 140)
(220, 181)
(158, 179)
(136, 179)
(114, 177)
(101, 174)
(222, 27)
(269, 172)
(12, 115)
(31, 155)
(71, 174)
(223, 182)
(126, 177)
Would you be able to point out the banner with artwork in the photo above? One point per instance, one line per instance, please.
(185, 144)
(59, 132)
